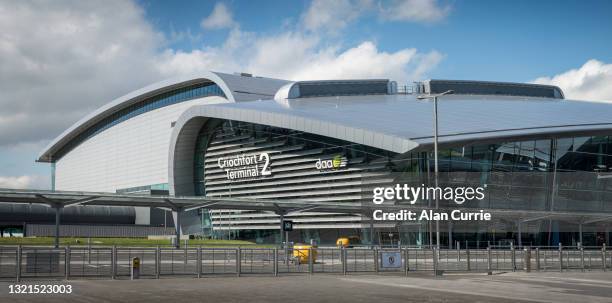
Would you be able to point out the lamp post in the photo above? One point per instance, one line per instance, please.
(435, 99)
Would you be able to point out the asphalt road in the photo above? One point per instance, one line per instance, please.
(510, 287)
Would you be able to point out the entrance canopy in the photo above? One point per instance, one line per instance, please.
(62, 199)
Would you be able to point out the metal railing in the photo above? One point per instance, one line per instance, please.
(21, 262)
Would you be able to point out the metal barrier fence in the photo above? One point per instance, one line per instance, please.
(17, 262)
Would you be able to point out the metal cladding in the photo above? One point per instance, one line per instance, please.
(163, 145)
(463, 87)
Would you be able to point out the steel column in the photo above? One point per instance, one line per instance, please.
(310, 261)
(114, 262)
(275, 259)
(580, 233)
(604, 261)
(436, 167)
(238, 261)
(489, 261)
(560, 257)
(18, 264)
(199, 260)
(282, 232)
(57, 226)
(177, 228)
(344, 260)
(537, 252)
(67, 262)
(376, 260)
(371, 230)
(450, 234)
(406, 261)
(582, 258)
(157, 262)
(520, 235)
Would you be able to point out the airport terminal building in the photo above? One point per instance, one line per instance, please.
(241, 136)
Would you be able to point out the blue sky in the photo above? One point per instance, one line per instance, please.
(500, 40)
(61, 60)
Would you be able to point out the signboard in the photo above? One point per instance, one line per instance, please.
(245, 166)
(337, 162)
(287, 225)
(391, 259)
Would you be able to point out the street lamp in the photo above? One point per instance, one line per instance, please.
(435, 99)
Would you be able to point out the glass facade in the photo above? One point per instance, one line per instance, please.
(566, 174)
(169, 98)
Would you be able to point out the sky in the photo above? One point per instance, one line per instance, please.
(60, 60)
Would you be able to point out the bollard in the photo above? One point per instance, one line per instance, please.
(18, 264)
(560, 257)
(489, 262)
(238, 261)
(199, 261)
(135, 269)
(275, 259)
(537, 251)
(513, 256)
(581, 258)
(114, 262)
(157, 262)
(310, 261)
(527, 259)
(67, 262)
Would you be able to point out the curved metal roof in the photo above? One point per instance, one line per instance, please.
(236, 88)
(400, 123)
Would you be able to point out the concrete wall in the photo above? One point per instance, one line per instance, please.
(131, 153)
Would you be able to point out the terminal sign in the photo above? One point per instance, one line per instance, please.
(246, 166)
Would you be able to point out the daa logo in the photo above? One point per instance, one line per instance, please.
(337, 162)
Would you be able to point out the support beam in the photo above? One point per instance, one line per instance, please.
(199, 205)
(302, 209)
(535, 218)
(597, 220)
(80, 201)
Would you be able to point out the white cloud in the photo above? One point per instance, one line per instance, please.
(423, 11)
(333, 15)
(221, 17)
(592, 81)
(59, 60)
(300, 56)
(311, 62)
(20, 182)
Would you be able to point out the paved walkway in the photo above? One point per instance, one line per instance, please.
(509, 287)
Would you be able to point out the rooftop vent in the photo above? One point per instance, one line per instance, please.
(460, 87)
(304, 89)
